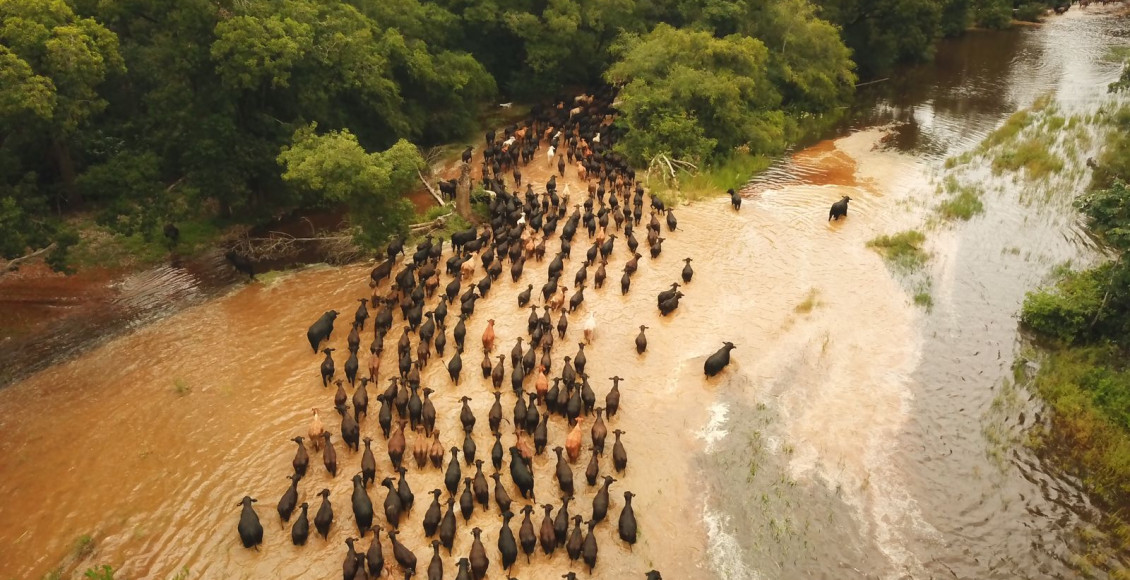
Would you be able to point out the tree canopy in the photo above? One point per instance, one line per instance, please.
(336, 168)
(692, 95)
(152, 110)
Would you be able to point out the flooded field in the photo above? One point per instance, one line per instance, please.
(856, 434)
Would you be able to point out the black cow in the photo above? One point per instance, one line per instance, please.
(321, 329)
(839, 209)
(241, 263)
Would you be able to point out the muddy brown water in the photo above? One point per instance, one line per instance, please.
(849, 438)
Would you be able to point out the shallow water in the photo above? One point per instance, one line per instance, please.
(854, 435)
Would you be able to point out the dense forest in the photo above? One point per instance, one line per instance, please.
(133, 113)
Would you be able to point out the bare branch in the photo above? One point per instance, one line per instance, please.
(430, 189)
(15, 262)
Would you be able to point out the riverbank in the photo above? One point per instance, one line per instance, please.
(1080, 371)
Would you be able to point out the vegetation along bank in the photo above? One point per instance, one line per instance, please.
(118, 118)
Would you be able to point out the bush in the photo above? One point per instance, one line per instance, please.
(1089, 391)
(995, 14)
(1114, 162)
(1031, 12)
(1108, 212)
(1068, 310)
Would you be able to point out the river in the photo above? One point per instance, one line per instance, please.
(855, 435)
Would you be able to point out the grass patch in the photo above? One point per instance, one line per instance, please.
(104, 572)
(83, 546)
(713, 180)
(435, 212)
(1006, 132)
(1034, 156)
(808, 303)
(902, 250)
(1055, 123)
(1071, 310)
(962, 159)
(1088, 390)
(964, 205)
(181, 388)
(924, 299)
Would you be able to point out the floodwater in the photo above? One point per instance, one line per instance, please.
(855, 434)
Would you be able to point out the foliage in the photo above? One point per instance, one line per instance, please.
(1086, 314)
(84, 546)
(903, 250)
(435, 212)
(956, 17)
(808, 62)
(1108, 214)
(731, 172)
(963, 206)
(1031, 11)
(994, 14)
(882, 33)
(1033, 155)
(693, 96)
(1070, 309)
(1089, 391)
(104, 572)
(335, 167)
(143, 112)
(1114, 161)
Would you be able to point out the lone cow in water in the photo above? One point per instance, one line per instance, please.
(839, 209)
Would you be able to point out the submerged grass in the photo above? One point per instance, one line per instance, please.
(1088, 389)
(712, 181)
(181, 388)
(1027, 141)
(83, 546)
(963, 206)
(1006, 132)
(964, 203)
(808, 303)
(1033, 155)
(902, 250)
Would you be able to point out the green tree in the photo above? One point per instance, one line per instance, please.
(808, 61)
(995, 14)
(956, 17)
(691, 95)
(53, 65)
(882, 33)
(335, 167)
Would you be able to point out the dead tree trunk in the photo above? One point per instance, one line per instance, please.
(463, 192)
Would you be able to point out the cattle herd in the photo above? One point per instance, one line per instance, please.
(578, 129)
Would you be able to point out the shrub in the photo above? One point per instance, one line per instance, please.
(1031, 12)
(1068, 310)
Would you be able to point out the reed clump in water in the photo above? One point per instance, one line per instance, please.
(711, 181)
(965, 203)
(902, 250)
